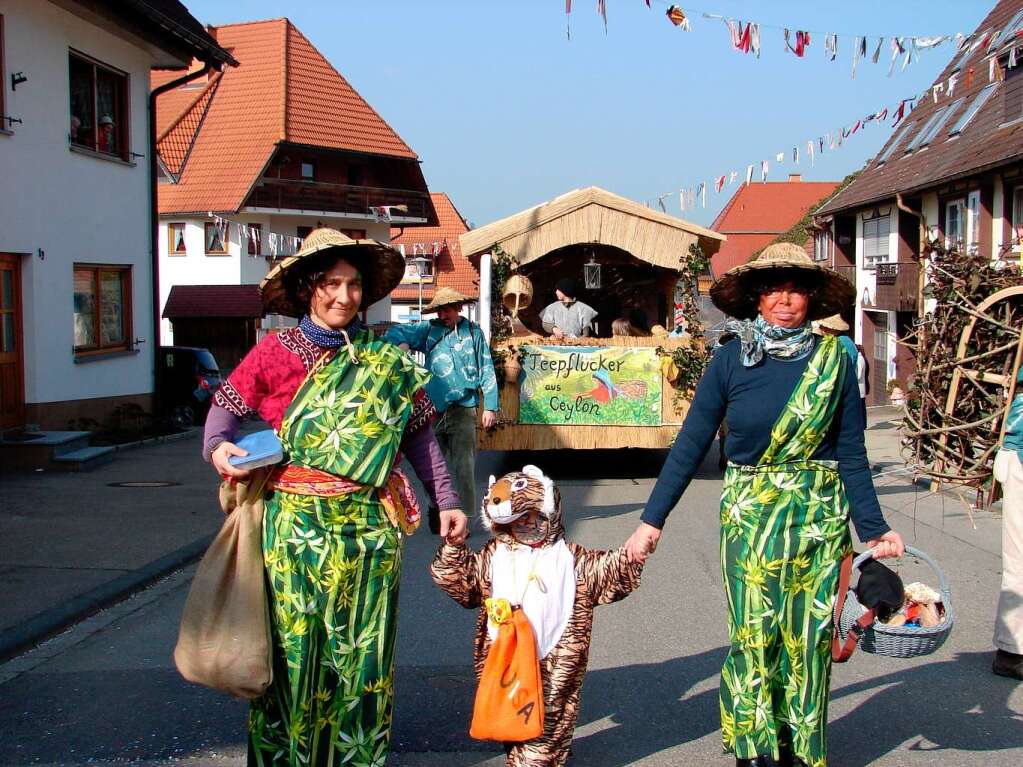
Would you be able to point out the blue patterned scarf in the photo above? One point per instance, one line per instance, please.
(759, 336)
(329, 339)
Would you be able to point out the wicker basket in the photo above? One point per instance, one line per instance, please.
(899, 641)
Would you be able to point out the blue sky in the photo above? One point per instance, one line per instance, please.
(505, 112)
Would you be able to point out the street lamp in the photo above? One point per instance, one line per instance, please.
(423, 265)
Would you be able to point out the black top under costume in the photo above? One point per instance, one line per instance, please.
(752, 399)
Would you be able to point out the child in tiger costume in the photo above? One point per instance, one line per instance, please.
(558, 584)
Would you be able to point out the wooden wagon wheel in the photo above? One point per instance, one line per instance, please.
(1007, 381)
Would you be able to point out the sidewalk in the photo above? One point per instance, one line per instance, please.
(75, 543)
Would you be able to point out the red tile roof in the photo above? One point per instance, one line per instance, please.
(453, 269)
(187, 301)
(177, 139)
(324, 110)
(983, 143)
(759, 212)
(283, 91)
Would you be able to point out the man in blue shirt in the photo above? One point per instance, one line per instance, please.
(458, 355)
(1008, 470)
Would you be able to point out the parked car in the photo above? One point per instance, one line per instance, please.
(187, 377)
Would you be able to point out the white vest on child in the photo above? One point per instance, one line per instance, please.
(542, 581)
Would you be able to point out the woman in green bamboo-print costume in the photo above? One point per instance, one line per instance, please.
(345, 405)
(797, 474)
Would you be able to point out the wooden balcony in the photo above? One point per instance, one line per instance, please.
(294, 194)
(897, 286)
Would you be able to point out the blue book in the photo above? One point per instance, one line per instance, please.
(264, 449)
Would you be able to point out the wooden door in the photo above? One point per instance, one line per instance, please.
(12, 374)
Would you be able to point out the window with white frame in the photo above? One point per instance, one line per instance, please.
(962, 222)
(973, 221)
(877, 227)
(955, 224)
(1017, 219)
(822, 242)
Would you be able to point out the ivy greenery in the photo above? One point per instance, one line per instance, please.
(689, 362)
(501, 267)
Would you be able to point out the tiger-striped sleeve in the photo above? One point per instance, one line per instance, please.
(461, 575)
(608, 575)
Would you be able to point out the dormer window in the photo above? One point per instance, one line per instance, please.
(972, 109)
(1011, 30)
(883, 157)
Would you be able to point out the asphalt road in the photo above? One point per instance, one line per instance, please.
(106, 692)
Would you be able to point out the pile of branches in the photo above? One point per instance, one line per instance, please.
(959, 446)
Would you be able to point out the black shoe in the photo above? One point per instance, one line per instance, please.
(786, 758)
(760, 761)
(433, 519)
(1008, 664)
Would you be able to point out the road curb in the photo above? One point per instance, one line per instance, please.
(176, 437)
(56, 619)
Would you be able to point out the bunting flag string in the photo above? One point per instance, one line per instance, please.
(830, 141)
(835, 140)
(745, 37)
(279, 244)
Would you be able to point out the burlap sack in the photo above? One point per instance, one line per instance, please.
(224, 641)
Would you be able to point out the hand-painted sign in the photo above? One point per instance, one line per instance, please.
(591, 385)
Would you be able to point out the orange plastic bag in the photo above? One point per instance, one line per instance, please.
(509, 699)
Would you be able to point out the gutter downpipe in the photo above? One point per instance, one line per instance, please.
(921, 271)
(154, 216)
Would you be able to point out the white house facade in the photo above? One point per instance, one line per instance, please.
(75, 233)
(214, 250)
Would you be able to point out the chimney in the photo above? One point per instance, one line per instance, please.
(795, 177)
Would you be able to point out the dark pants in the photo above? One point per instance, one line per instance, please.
(456, 433)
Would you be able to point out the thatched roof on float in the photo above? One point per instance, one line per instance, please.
(592, 215)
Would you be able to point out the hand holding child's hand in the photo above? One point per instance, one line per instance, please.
(453, 526)
(642, 543)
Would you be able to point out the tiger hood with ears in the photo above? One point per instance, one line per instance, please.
(516, 494)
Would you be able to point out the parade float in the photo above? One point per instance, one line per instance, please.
(608, 390)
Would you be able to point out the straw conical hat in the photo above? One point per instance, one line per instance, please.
(380, 266)
(445, 297)
(835, 322)
(735, 292)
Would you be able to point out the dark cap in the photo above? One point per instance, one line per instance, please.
(568, 286)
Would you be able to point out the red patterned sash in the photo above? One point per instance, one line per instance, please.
(397, 496)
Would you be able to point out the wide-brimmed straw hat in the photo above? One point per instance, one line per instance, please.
(445, 297)
(735, 293)
(380, 266)
(835, 322)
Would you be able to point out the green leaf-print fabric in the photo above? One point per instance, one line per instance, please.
(784, 532)
(333, 565)
(348, 418)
